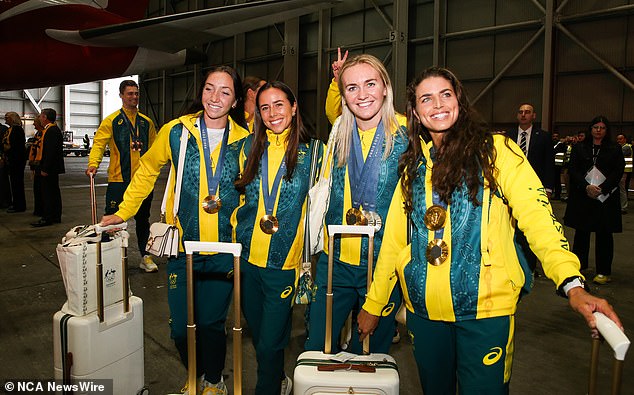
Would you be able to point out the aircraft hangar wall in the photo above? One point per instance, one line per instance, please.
(572, 59)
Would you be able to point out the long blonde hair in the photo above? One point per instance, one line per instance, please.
(388, 115)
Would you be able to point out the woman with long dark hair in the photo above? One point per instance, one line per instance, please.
(595, 168)
(274, 181)
(215, 132)
(465, 190)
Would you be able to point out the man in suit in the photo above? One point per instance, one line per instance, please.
(50, 167)
(538, 148)
(536, 144)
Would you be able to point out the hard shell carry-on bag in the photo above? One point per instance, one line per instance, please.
(227, 248)
(618, 342)
(321, 372)
(106, 344)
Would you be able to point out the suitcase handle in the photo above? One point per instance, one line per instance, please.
(234, 249)
(613, 335)
(618, 342)
(124, 256)
(351, 230)
(347, 366)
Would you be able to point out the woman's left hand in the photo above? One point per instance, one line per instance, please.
(585, 304)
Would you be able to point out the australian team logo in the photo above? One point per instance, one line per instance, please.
(109, 277)
(172, 280)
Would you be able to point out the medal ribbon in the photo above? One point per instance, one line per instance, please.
(364, 177)
(133, 129)
(213, 179)
(438, 234)
(269, 198)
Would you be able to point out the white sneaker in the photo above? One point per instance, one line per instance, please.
(218, 388)
(287, 386)
(148, 264)
(199, 381)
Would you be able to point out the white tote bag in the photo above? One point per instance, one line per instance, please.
(78, 262)
(319, 195)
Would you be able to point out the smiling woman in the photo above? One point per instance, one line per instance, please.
(275, 179)
(460, 271)
(370, 138)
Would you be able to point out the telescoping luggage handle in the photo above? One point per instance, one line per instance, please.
(124, 256)
(619, 343)
(224, 248)
(351, 230)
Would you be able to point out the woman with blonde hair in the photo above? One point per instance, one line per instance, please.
(369, 139)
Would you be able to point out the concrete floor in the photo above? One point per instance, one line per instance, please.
(552, 343)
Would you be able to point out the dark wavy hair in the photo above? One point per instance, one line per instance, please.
(466, 153)
(298, 134)
(608, 135)
(236, 113)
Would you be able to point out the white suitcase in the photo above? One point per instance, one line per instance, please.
(106, 344)
(86, 349)
(319, 373)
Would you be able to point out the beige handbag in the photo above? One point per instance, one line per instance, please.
(164, 238)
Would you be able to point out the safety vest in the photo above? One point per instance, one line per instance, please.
(560, 156)
(627, 155)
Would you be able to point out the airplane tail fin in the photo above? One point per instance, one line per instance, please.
(133, 10)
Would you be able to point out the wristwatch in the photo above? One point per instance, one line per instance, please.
(570, 283)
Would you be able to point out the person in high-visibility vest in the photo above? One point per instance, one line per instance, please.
(559, 148)
(624, 185)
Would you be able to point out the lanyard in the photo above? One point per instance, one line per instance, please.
(364, 177)
(213, 179)
(133, 129)
(269, 198)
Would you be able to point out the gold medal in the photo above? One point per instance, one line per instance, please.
(437, 252)
(269, 224)
(354, 216)
(435, 217)
(211, 204)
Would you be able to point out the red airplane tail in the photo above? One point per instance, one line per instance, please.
(133, 10)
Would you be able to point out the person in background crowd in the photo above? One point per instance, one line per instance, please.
(215, 132)
(369, 141)
(595, 168)
(129, 134)
(250, 87)
(624, 184)
(536, 144)
(86, 141)
(269, 223)
(50, 167)
(581, 136)
(459, 184)
(13, 143)
(35, 157)
(5, 185)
